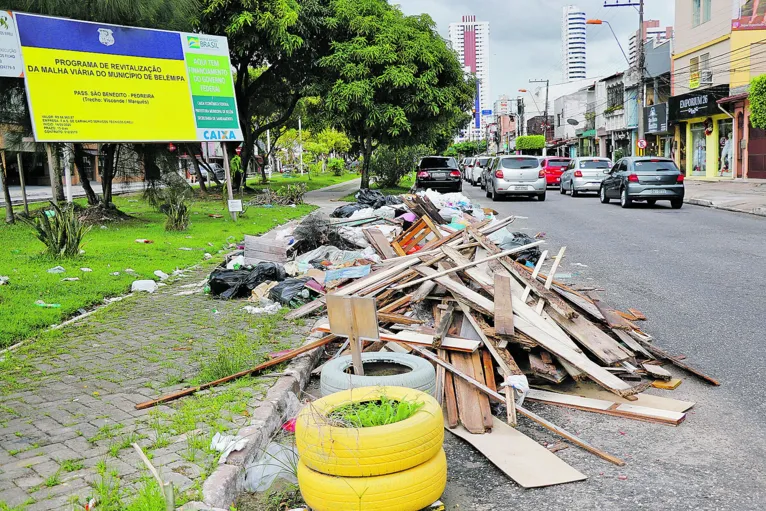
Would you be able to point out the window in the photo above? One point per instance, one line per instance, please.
(520, 163)
(694, 65)
(704, 62)
(615, 96)
(701, 11)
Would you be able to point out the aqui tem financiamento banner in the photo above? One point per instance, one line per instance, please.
(94, 82)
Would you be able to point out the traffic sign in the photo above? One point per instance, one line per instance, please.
(642, 143)
(238, 150)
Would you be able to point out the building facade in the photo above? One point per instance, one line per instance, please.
(652, 32)
(470, 39)
(573, 44)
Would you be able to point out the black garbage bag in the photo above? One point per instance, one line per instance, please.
(347, 210)
(228, 284)
(288, 290)
(375, 199)
(519, 239)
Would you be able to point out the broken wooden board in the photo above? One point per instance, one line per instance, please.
(658, 372)
(667, 385)
(379, 242)
(591, 390)
(592, 338)
(420, 339)
(469, 408)
(608, 407)
(612, 318)
(503, 305)
(661, 354)
(546, 371)
(478, 373)
(519, 457)
(632, 343)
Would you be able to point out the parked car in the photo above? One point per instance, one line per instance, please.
(439, 173)
(466, 167)
(218, 169)
(485, 172)
(584, 175)
(479, 165)
(554, 166)
(643, 179)
(516, 175)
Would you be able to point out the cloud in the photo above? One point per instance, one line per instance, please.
(525, 35)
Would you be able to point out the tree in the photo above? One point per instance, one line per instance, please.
(530, 142)
(274, 47)
(758, 102)
(395, 80)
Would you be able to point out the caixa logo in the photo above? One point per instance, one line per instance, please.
(218, 135)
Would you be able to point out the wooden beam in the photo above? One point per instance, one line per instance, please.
(503, 305)
(555, 267)
(468, 397)
(420, 339)
(657, 352)
(657, 372)
(547, 371)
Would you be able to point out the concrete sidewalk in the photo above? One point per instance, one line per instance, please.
(738, 196)
(43, 193)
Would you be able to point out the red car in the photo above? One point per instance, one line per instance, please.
(554, 167)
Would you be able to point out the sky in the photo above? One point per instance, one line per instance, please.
(525, 35)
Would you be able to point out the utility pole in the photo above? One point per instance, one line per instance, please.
(641, 57)
(545, 113)
(300, 143)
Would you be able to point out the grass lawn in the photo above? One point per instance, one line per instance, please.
(313, 182)
(109, 250)
(405, 185)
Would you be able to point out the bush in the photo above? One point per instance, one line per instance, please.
(61, 230)
(177, 212)
(530, 142)
(292, 193)
(618, 154)
(336, 166)
(389, 165)
(758, 102)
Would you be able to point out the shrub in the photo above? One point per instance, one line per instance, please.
(758, 102)
(292, 193)
(390, 164)
(374, 413)
(60, 230)
(530, 142)
(618, 154)
(336, 166)
(177, 212)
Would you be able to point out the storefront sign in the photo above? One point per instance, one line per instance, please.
(656, 118)
(10, 55)
(697, 104)
(93, 82)
(748, 15)
(621, 135)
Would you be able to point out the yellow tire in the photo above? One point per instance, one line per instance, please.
(410, 490)
(364, 452)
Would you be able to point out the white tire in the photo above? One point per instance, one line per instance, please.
(421, 376)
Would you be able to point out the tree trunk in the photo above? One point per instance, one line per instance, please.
(197, 171)
(22, 181)
(79, 163)
(110, 164)
(57, 189)
(9, 217)
(367, 148)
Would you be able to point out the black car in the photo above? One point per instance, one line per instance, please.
(643, 179)
(439, 173)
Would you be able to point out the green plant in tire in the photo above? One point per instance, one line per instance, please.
(374, 413)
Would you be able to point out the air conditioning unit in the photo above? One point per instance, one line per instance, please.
(706, 77)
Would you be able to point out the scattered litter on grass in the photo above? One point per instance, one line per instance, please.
(275, 463)
(70, 279)
(57, 269)
(141, 240)
(4, 281)
(115, 274)
(186, 249)
(44, 305)
(161, 275)
(268, 310)
(148, 286)
(227, 444)
(86, 270)
(207, 256)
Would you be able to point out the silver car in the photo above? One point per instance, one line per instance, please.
(584, 175)
(516, 175)
(479, 165)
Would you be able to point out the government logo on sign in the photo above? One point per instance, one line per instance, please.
(193, 42)
(105, 36)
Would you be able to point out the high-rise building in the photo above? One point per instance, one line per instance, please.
(573, 43)
(652, 31)
(470, 39)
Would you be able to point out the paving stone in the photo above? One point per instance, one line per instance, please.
(29, 481)
(14, 497)
(58, 503)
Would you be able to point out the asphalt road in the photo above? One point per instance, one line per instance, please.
(699, 276)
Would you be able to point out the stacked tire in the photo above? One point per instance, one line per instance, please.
(420, 375)
(396, 467)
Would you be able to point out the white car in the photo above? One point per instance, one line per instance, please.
(479, 165)
(584, 174)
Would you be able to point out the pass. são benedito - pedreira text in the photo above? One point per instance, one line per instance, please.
(136, 98)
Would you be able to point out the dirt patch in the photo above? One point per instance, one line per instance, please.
(382, 369)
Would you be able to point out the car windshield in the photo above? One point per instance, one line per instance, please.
(655, 165)
(520, 163)
(558, 163)
(483, 161)
(595, 164)
(437, 163)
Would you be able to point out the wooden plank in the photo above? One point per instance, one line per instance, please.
(637, 314)
(445, 322)
(430, 223)
(476, 274)
(489, 369)
(535, 273)
(450, 400)
(398, 319)
(556, 263)
(503, 305)
(592, 338)
(420, 339)
(474, 299)
(605, 407)
(667, 385)
(613, 320)
(657, 372)
(632, 343)
(657, 352)
(472, 329)
(526, 413)
(588, 389)
(478, 373)
(469, 409)
(379, 241)
(546, 371)
(431, 210)
(519, 457)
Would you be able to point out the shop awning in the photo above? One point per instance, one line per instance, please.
(587, 134)
(734, 99)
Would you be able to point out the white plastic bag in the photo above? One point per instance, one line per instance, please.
(278, 461)
(227, 444)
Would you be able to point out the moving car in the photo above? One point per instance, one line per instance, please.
(439, 173)
(466, 167)
(479, 165)
(485, 172)
(516, 175)
(643, 179)
(554, 166)
(584, 175)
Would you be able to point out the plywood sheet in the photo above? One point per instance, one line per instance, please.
(519, 457)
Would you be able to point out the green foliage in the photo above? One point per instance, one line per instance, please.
(395, 80)
(337, 166)
(758, 102)
(618, 154)
(374, 413)
(390, 164)
(468, 148)
(530, 142)
(62, 233)
(293, 193)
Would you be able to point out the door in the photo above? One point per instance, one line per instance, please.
(756, 151)
(612, 182)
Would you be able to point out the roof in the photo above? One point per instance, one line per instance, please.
(732, 99)
(616, 75)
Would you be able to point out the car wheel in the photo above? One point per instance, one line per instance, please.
(541, 197)
(625, 201)
(493, 195)
(561, 189)
(575, 193)
(676, 203)
(487, 192)
(651, 202)
(602, 196)
(483, 184)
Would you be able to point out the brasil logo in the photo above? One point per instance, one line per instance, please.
(192, 41)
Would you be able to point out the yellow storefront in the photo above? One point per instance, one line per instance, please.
(703, 134)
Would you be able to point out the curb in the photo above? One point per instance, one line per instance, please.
(221, 488)
(710, 204)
